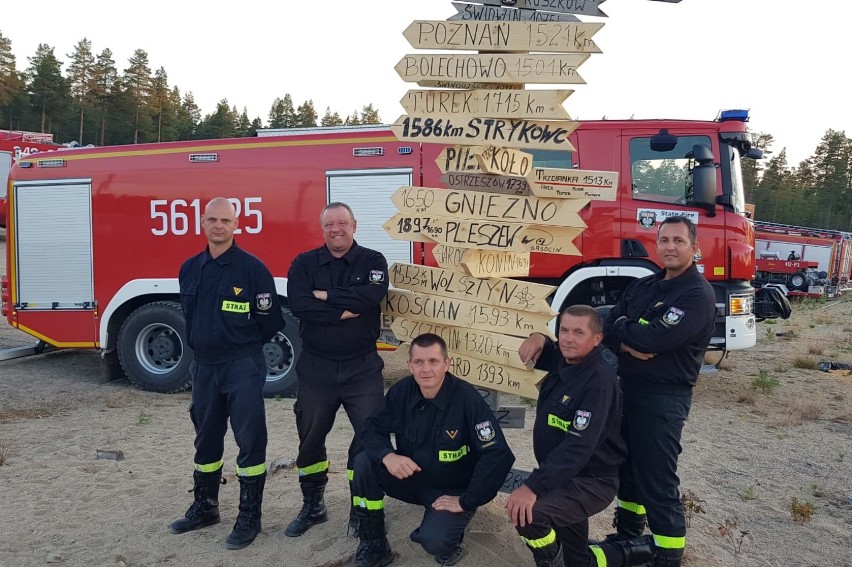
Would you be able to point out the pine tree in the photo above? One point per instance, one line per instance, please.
(331, 119)
(306, 115)
(159, 100)
(11, 84)
(81, 79)
(104, 78)
(46, 83)
(137, 78)
(369, 115)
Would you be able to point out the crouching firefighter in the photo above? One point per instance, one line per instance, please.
(578, 446)
(231, 308)
(450, 458)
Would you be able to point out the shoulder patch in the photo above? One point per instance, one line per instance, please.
(582, 419)
(673, 316)
(264, 301)
(485, 431)
(377, 276)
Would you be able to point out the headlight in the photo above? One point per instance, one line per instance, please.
(741, 304)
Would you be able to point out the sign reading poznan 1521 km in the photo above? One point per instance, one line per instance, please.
(563, 37)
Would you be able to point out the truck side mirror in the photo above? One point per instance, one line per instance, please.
(702, 176)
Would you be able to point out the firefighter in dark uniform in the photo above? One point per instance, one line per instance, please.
(660, 329)
(578, 446)
(231, 308)
(450, 457)
(335, 291)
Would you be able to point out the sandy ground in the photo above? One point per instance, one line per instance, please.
(747, 454)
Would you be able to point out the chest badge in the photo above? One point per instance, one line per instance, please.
(264, 301)
(565, 399)
(377, 276)
(451, 433)
(238, 290)
(582, 419)
(485, 431)
(673, 316)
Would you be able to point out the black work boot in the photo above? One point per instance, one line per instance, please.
(668, 557)
(374, 549)
(354, 523)
(636, 551)
(313, 510)
(204, 510)
(451, 558)
(247, 525)
(627, 524)
(546, 557)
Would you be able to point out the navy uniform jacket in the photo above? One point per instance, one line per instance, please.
(577, 429)
(230, 304)
(672, 318)
(358, 281)
(454, 439)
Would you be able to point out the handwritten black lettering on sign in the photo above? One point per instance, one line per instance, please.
(462, 313)
(452, 203)
(585, 7)
(504, 161)
(514, 294)
(495, 347)
(458, 159)
(562, 37)
(486, 183)
(438, 84)
(485, 235)
(514, 479)
(574, 183)
(486, 131)
(479, 12)
(487, 374)
(490, 263)
(488, 103)
(449, 257)
(493, 68)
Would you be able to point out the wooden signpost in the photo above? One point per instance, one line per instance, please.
(573, 183)
(488, 183)
(582, 7)
(501, 292)
(482, 263)
(521, 133)
(458, 159)
(491, 103)
(499, 13)
(561, 37)
(493, 68)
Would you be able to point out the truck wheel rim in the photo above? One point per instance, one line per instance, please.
(279, 357)
(158, 348)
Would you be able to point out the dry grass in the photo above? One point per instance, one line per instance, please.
(727, 364)
(805, 363)
(747, 397)
(4, 451)
(808, 411)
(815, 349)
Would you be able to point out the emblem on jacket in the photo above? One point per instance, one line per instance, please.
(264, 301)
(377, 276)
(673, 316)
(451, 433)
(485, 431)
(582, 419)
(565, 399)
(647, 219)
(238, 290)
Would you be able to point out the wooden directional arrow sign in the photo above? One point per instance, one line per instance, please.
(585, 7)
(479, 12)
(458, 158)
(502, 349)
(488, 103)
(493, 68)
(501, 292)
(469, 85)
(485, 235)
(483, 263)
(504, 161)
(486, 183)
(461, 313)
(486, 131)
(560, 37)
(465, 205)
(574, 183)
(485, 374)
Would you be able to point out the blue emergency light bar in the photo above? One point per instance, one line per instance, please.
(740, 115)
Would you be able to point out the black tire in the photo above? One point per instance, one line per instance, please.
(281, 354)
(798, 281)
(153, 348)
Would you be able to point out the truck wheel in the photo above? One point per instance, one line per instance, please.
(798, 281)
(153, 349)
(281, 354)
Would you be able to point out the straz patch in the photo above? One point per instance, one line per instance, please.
(672, 317)
(582, 419)
(485, 431)
(647, 219)
(264, 301)
(377, 276)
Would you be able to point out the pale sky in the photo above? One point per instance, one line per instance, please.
(783, 59)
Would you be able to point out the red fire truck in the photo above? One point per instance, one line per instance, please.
(825, 258)
(13, 146)
(96, 236)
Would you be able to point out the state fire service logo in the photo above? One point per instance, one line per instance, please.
(673, 316)
(264, 301)
(582, 419)
(377, 276)
(485, 431)
(647, 219)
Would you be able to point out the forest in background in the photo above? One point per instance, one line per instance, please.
(93, 102)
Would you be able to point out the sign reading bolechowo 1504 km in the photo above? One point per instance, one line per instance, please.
(549, 135)
(493, 68)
